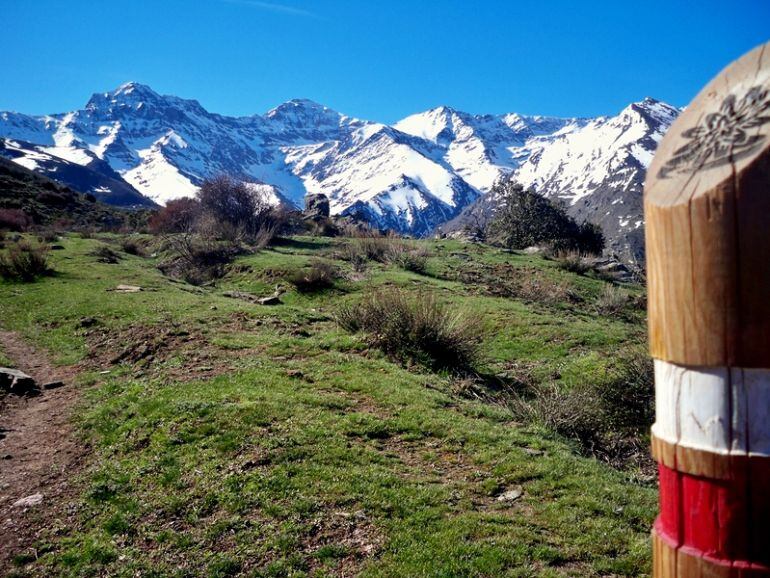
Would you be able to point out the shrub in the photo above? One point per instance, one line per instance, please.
(573, 262)
(525, 218)
(133, 246)
(24, 261)
(409, 259)
(197, 260)
(104, 254)
(48, 235)
(538, 287)
(375, 248)
(178, 216)
(612, 301)
(236, 212)
(14, 220)
(354, 254)
(415, 328)
(609, 419)
(318, 277)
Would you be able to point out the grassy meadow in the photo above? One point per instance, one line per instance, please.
(230, 438)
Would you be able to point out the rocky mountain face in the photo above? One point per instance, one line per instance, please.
(411, 177)
(595, 167)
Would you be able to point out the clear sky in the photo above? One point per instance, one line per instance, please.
(375, 59)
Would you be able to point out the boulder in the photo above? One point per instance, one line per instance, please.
(316, 206)
(16, 382)
(511, 495)
(272, 300)
(29, 501)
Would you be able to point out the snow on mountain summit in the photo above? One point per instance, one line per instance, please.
(411, 176)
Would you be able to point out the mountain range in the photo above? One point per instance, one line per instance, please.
(135, 147)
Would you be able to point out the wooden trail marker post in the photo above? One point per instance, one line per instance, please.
(707, 210)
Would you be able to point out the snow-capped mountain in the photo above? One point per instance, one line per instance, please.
(95, 177)
(412, 176)
(594, 166)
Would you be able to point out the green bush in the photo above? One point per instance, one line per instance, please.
(23, 261)
(415, 328)
(525, 218)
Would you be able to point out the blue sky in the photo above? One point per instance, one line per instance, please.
(379, 60)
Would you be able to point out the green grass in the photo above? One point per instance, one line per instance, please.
(305, 452)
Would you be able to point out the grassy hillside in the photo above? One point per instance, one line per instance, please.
(236, 439)
(45, 201)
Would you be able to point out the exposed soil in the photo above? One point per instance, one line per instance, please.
(39, 453)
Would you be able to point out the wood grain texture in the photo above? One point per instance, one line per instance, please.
(707, 201)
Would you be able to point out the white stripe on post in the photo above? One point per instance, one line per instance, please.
(713, 408)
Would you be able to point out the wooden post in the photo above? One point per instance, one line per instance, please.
(707, 211)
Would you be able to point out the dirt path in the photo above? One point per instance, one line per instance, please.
(38, 452)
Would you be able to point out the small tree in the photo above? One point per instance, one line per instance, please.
(236, 210)
(178, 216)
(525, 218)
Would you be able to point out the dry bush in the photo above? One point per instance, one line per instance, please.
(23, 261)
(178, 216)
(609, 419)
(357, 230)
(14, 220)
(133, 246)
(104, 254)
(612, 302)
(354, 254)
(375, 248)
(319, 277)
(237, 213)
(538, 287)
(408, 258)
(197, 260)
(224, 209)
(47, 235)
(573, 262)
(415, 328)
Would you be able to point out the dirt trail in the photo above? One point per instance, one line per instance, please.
(38, 451)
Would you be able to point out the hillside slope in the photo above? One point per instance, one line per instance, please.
(47, 201)
(233, 439)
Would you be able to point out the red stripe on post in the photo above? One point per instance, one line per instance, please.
(759, 512)
(670, 504)
(712, 517)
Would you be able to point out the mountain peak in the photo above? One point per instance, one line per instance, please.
(298, 105)
(652, 109)
(133, 92)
